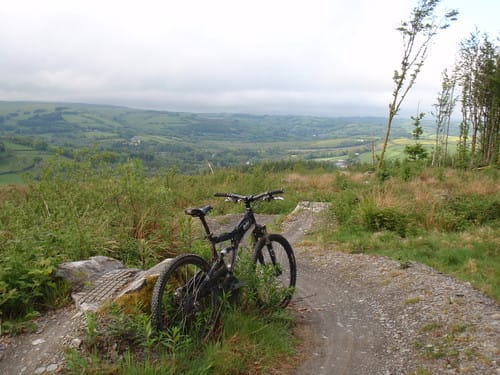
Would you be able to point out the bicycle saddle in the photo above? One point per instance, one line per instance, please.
(198, 212)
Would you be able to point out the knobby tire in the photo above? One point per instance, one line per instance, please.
(275, 281)
(178, 301)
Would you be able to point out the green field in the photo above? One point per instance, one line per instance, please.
(11, 178)
(17, 160)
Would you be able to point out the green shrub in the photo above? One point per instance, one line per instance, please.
(379, 219)
(448, 221)
(344, 206)
(476, 208)
(77, 209)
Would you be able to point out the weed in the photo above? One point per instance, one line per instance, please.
(91, 328)
(412, 301)
(421, 371)
(443, 341)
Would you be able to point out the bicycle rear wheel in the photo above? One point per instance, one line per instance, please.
(275, 270)
(180, 301)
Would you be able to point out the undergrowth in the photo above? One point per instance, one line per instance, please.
(448, 219)
(85, 207)
(251, 338)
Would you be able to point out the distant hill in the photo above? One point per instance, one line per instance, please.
(187, 140)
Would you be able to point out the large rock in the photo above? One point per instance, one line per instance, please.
(140, 279)
(80, 272)
(101, 279)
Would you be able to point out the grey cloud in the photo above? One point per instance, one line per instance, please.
(327, 57)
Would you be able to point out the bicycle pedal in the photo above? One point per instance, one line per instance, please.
(231, 283)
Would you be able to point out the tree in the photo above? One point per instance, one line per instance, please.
(446, 102)
(418, 33)
(479, 77)
(417, 151)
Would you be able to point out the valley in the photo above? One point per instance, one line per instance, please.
(31, 132)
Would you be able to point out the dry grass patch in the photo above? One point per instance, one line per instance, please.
(321, 182)
(481, 186)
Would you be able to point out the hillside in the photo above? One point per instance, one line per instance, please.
(184, 140)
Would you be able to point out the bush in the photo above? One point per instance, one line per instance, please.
(476, 208)
(378, 219)
(92, 206)
(345, 204)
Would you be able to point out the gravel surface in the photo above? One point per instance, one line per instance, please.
(43, 351)
(372, 315)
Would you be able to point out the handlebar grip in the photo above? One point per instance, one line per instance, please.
(279, 191)
(220, 195)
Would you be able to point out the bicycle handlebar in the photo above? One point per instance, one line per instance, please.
(268, 195)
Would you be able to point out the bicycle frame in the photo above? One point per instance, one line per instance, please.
(247, 223)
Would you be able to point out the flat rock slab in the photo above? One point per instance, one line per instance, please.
(82, 271)
(105, 287)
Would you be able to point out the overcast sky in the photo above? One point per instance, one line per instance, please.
(312, 57)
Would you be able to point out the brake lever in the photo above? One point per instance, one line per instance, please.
(278, 198)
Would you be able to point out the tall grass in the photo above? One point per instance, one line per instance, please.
(88, 207)
(448, 219)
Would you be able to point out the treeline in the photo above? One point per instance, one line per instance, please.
(473, 84)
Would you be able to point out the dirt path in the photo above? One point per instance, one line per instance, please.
(357, 314)
(362, 314)
(43, 351)
(337, 321)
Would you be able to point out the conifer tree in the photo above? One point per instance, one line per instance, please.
(479, 79)
(417, 151)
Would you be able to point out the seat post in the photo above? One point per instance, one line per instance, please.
(205, 225)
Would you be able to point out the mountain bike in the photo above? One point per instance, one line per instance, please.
(189, 291)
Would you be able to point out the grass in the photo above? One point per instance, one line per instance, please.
(465, 256)
(251, 341)
(79, 209)
(448, 219)
(10, 179)
(437, 340)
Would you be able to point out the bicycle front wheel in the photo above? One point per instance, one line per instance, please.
(275, 270)
(181, 302)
